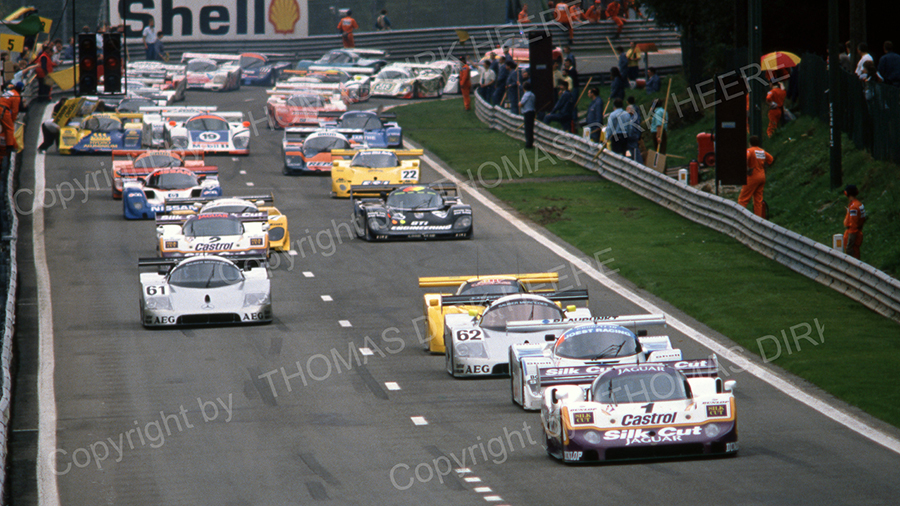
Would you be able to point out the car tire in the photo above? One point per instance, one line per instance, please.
(448, 353)
(359, 226)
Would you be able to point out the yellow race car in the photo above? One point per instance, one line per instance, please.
(279, 236)
(372, 167)
(102, 133)
(475, 293)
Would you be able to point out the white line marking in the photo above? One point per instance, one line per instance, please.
(292, 252)
(327, 298)
(483, 490)
(492, 498)
(249, 183)
(308, 274)
(392, 385)
(418, 420)
(367, 351)
(463, 470)
(241, 172)
(46, 451)
(769, 376)
(234, 158)
(472, 479)
(345, 323)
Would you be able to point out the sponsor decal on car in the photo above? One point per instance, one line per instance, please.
(649, 419)
(222, 246)
(572, 455)
(644, 436)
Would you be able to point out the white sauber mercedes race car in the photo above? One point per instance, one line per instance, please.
(478, 345)
(215, 72)
(196, 129)
(181, 235)
(597, 343)
(205, 290)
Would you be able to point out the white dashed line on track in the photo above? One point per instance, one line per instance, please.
(391, 385)
(419, 420)
(242, 172)
(345, 323)
(327, 298)
(307, 274)
(483, 490)
(249, 183)
(292, 252)
(472, 479)
(367, 352)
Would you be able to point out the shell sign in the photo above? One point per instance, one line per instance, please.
(187, 20)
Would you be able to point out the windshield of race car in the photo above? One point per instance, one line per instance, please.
(206, 124)
(415, 197)
(213, 225)
(491, 287)
(652, 385)
(374, 160)
(388, 74)
(305, 101)
(315, 145)
(156, 161)
(102, 124)
(172, 180)
(496, 316)
(205, 274)
(362, 121)
(229, 208)
(336, 56)
(201, 66)
(252, 62)
(596, 342)
(134, 104)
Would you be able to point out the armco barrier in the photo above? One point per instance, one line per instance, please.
(9, 320)
(857, 280)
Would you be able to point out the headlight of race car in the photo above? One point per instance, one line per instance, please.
(463, 222)
(276, 234)
(394, 139)
(406, 88)
(219, 78)
(711, 430)
(158, 303)
(242, 141)
(375, 224)
(592, 437)
(294, 161)
(179, 142)
(256, 299)
(470, 349)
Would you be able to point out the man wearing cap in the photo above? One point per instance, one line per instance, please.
(853, 222)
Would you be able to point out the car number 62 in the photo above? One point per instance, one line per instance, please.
(468, 335)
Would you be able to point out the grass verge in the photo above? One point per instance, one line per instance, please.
(753, 300)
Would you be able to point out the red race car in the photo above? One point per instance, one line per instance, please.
(133, 164)
(295, 107)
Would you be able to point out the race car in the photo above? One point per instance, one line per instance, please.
(279, 236)
(101, 133)
(401, 211)
(351, 60)
(135, 164)
(144, 197)
(406, 80)
(196, 129)
(478, 345)
(292, 108)
(306, 152)
(372, 167)
(601, 342)
(236, 234)
(258, 69)
(353, 88)
(641, 411)
(212, 71)
(365, 127)
(163, 76)
(204, 290)
(474, 293)
(452, 82)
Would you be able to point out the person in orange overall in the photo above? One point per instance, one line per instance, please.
(595, 12)
(775, 99)
(465, 82)
(853, 222)
(346, 27)
(561, 15)
(524, 18)
(612, 13)
(757, 161)
(575, 13)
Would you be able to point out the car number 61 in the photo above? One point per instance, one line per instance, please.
(468, 335)
(156, 290)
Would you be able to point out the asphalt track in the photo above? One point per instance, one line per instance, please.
(206, 417)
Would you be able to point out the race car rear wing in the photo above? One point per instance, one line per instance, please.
(210, 56)
(256, 199)
(194, 109)
(641, 325)
(131, 154)
(381, 115)
(177, 219)
(132, 173)
(586, 374)
(533, 278)
(382, 191)
(401, 153)
(484, 299)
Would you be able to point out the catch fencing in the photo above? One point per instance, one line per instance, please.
(857, 280)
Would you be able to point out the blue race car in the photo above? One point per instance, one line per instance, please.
(362, 127)
(257, 69)
(143, 197)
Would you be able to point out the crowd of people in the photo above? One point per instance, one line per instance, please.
(570, 14)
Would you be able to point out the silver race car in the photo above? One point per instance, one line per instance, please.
(205, 290)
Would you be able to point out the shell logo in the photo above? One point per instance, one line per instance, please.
(284, 14)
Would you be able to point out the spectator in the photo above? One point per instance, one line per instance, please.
(853, 222)
(658, 126)
(495, 64)
(564, 110)
(594, 119)
(22, 69)
(486, 81)
(617, 86)
(346, 26)
(612, 13)
(465, 82)
(149, 37)
(500, 86)
(50, 130)
(653, 83)
(8, 67)
(26, 55)
(524, 18)
(160, 50)
(862, 50)
(617, 128)
(561, 15)
(567, 78)
(512, 87)
(594, 13)
(635, 132)
(14, 94)
(382, 23)
(569, 56)
(569, 68)
(43, 71)
(526, 104)
(757, 162)
(622, 63)
(627, 5)
(870, 77)
(69, 50)
(775, 99)
(633, 56)
(889, 65)
(846, 58)
(576, 15)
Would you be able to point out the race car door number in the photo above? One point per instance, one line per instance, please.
(469, 335)
(409, 174)
(156, 290)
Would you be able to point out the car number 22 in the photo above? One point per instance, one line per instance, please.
(410, 174)
(156, 290)
(468, 335)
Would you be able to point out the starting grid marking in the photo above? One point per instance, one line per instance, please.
(419, 420)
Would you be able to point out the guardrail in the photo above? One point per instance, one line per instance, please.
(10, 240)
(855, 279)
